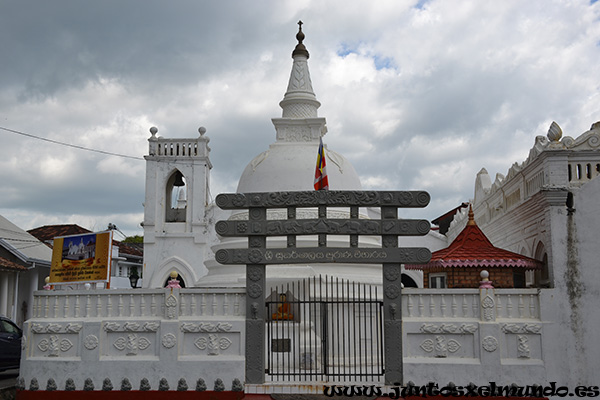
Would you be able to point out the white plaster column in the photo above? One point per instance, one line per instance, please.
(34, 277)
(4, 293)
(15, 304)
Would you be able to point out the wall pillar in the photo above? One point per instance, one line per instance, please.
(14, 310)
(4, 293)
(34, 277)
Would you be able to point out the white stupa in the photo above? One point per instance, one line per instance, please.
(289, 165)
(180, 236)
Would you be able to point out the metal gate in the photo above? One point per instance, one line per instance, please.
(337, 313)
(324, 329)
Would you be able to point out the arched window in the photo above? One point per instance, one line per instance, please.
(175, 198)
(542, 276)
(407, 281)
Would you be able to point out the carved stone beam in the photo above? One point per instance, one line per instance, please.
(302, 255)
(403, 227)
(330, 198)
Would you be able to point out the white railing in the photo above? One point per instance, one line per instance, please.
(467, 303)
(177, 147)
(534, 184)
(517, 304)
(440, 303)
(580, 172)
(137, 303)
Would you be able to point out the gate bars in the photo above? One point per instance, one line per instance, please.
(257, 228)
(324, 327)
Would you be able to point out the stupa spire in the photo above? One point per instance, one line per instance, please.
(299, 100)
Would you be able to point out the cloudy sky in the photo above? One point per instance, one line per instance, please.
(417, 94)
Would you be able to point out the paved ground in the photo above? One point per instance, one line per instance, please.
(7, 384)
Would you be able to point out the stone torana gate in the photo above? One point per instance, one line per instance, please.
(257, 228)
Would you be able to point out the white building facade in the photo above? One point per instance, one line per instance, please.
(28, 264)
(548, 208)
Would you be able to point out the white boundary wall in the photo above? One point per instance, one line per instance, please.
(458, 335)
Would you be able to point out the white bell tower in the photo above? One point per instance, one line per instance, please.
(175, 221)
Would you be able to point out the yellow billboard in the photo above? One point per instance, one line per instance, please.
(81, 258)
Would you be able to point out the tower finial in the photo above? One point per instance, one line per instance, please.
(300, 49)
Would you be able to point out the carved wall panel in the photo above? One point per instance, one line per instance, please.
(214, 338)
(522, 342)
(55, 346)
(130, 339)
(443, 345)
(55, 339)
(442, 339)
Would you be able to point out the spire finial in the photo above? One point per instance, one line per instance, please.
(471, 216)
(300, 49)
(300, 34)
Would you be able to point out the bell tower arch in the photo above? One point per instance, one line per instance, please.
(175, 221)
(175, 198)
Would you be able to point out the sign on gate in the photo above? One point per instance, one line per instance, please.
(257, 228)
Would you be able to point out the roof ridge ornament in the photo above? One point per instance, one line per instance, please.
(554, 132)
(300, 49)
(471, 220)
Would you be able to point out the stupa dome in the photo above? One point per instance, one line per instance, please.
(289, 163)
(291, 166)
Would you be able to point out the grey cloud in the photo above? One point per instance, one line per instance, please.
(492, 76)
(67, 43)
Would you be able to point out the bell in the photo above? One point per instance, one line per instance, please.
(178, 179)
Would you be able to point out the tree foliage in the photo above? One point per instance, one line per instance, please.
(133, 239)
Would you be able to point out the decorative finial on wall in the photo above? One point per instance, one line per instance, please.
(485, 282)
(554, 132)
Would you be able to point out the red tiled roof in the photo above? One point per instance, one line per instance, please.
(472, 248)
(13, 266)
(47, 233)
(133, 249)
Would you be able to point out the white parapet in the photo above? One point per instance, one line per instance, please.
(135, 334)
(449, 335)
(473, 335)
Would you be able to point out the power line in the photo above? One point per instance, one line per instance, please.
(69, 145)
(88, 149)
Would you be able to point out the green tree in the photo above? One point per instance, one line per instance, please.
(134, 239)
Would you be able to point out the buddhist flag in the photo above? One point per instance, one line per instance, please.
(321, 182)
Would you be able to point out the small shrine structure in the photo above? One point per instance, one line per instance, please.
(460, 264)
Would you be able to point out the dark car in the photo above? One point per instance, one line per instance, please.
(10, 344)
